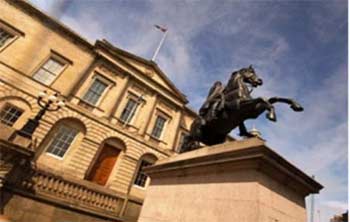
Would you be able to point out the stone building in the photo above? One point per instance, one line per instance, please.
(83, 161)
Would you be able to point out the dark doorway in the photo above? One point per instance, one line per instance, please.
(104, 164)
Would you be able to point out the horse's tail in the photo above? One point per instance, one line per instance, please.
(189, 144)
(191, 141)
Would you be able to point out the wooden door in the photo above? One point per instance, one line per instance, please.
(104, 164)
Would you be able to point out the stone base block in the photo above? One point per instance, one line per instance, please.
(243, 181)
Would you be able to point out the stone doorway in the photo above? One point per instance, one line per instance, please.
(104, 164)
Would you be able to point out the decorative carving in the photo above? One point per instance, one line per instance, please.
(137, 88)
(111, 71)
(166, 107)
(149, 72)
(106, 70)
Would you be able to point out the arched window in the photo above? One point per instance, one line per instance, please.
(64, 134)
(62, 140)
(105, 161)
(141, 178)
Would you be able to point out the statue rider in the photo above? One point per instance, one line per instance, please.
(213, 104)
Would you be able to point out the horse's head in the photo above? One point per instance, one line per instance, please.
(249, 76)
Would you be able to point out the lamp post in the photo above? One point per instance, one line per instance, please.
(47, 102)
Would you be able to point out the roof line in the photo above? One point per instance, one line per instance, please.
(51, 21)
(147, 62)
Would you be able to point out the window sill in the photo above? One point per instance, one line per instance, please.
(54, 156)
(156, 140)
(122, 122)
(139, 187)
(126, 125)
(88, 105)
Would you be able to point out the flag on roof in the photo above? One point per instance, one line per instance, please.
(161, 28)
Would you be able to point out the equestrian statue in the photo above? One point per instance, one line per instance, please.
(227, 107)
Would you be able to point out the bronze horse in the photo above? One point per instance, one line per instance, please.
(228, 107)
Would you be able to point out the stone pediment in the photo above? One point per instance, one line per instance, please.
(148, 69)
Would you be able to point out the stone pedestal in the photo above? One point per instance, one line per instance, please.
(240, 181)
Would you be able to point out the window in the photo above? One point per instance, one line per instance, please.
(158, 127)
(181, 141)
(141, 177)
(129, 111)
(5, 37)
(8, 34)
(62, 140)
(9, 114)
(49, 71)
(95, 91)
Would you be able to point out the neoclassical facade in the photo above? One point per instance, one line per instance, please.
(84, 161)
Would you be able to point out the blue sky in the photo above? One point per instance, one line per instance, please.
(299, 49)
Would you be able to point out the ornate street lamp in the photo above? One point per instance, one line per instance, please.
(47, 102)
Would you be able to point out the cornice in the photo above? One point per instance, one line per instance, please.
(51, 22)
(246, 154)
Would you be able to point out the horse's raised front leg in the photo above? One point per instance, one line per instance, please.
(293, 104)
(265, 104)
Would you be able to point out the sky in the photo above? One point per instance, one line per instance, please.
(299, 49)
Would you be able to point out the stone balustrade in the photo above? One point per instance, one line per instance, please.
(73, 193)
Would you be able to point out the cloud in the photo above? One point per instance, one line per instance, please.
(326, 27)
(337, 205)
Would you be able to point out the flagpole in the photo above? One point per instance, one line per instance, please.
(312, 204)
(159, 46)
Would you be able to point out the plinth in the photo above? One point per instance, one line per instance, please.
(243, 181)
